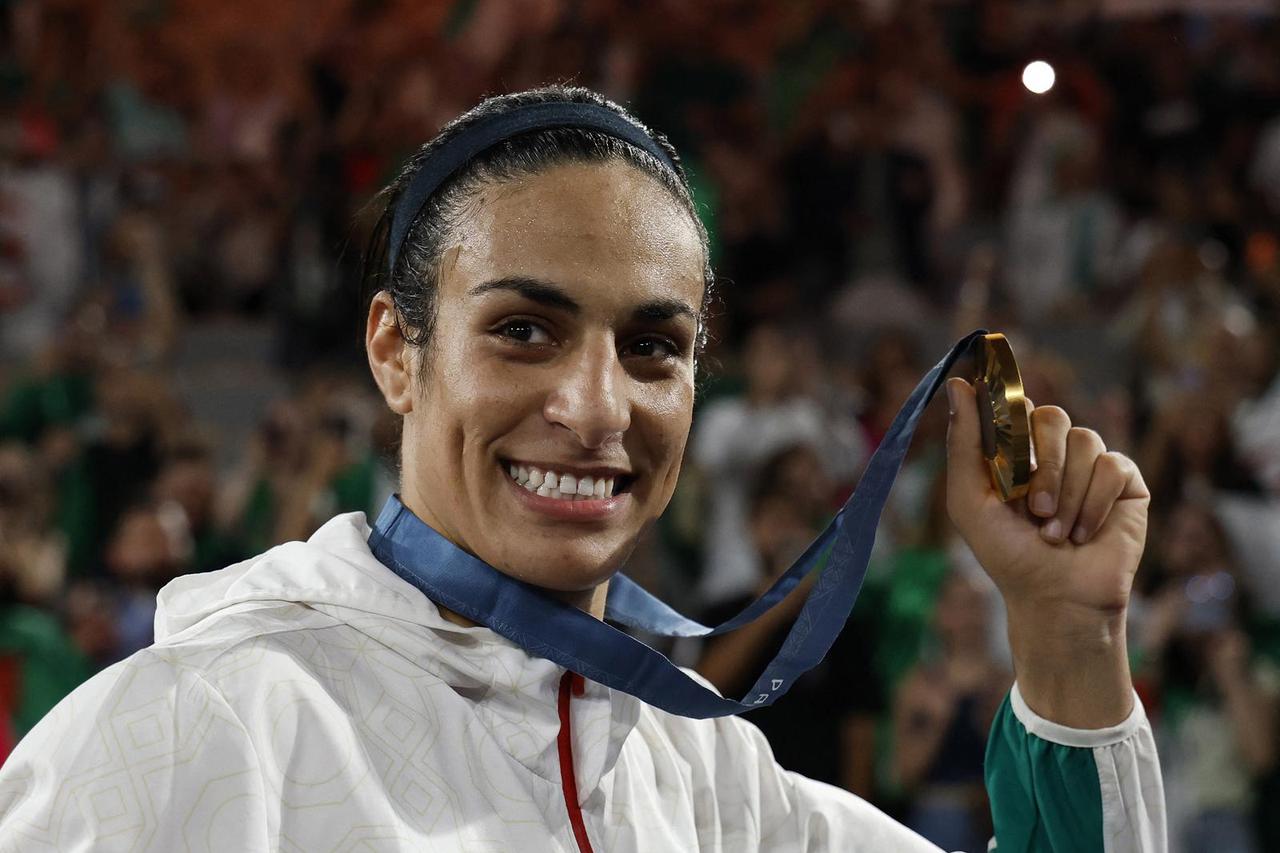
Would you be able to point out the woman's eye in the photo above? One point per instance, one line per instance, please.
(524, 331)
(652, 347)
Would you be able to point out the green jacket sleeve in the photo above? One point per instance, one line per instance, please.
(1055, 789)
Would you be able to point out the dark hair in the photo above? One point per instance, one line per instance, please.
(414, 281)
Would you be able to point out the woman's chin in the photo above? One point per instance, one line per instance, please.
(562, 574)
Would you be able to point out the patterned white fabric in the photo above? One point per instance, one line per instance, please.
(310, 700)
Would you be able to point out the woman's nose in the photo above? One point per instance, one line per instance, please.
(590, 397)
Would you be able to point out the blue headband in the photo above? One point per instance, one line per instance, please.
(488, 132)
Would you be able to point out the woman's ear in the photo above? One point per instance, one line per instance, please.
(390, 356)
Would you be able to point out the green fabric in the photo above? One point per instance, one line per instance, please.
(257, 524)
(905, 596)
(897, 600)
(803, 68)
(706, 198)
(1264, 636)
(352, 489)
(1045, 798)
(77, 516)
(51, 666)
(353, 486)
(459, 18)
(1266, 817)
(211, 549)
(33, 403)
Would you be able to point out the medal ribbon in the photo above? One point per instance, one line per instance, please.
(547, 628)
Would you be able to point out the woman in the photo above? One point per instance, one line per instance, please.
(942, 712)
(542, 315)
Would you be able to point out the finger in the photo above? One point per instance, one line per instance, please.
(1111, 474)
(1031, 407)
(1084, 446)
(967, 472)
(1049, 428)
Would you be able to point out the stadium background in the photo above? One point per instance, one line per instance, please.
(185, 187)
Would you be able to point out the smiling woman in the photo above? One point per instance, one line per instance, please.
(563, 339)
(442, 679)
(543, 311)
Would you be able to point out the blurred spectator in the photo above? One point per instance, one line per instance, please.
(40, 251)
(146, 550)
(136, 293)
(35, 554)
(269, 471)
(121, 453)
(1064, 228)
(250, 108)
(1217, 724)
(186, 491)
(826, 727)
(299, 471)
(733, 438)
(1189, 453)
(942, 712)
(1255, 422)
(145, 120)
(903, 584)
(39, 664)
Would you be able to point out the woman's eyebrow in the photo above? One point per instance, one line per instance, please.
(663, 309)
(533, 289)
(553, 296)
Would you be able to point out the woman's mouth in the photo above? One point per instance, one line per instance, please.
(567, 486)
(575, 496)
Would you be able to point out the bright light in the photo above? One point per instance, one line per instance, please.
(1038, 77)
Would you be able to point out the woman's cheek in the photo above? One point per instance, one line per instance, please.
(671, 417)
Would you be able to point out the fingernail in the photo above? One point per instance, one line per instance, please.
(1053, 530)
(951, 398)
(1042, 503)
(1079, 535)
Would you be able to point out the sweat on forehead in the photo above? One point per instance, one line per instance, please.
(585, 213)
(413, 279)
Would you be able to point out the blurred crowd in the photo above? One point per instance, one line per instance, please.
(179, 177)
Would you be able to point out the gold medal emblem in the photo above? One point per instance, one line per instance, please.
(1003, 416)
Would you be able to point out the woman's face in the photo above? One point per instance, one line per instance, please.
(564, 343)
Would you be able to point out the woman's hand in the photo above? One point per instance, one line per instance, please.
(1064, 558)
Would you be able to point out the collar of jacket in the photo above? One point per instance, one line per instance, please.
(511, 693)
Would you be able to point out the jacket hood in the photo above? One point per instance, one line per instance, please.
(334, 567)
(335, 576)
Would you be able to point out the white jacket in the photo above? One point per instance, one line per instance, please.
(310, 700)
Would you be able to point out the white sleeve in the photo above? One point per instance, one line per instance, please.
(145, 756)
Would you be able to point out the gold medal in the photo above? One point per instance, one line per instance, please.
(1002, 414)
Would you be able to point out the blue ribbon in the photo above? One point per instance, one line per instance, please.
(548, 628)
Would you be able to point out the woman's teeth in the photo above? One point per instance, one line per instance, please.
(549, 484)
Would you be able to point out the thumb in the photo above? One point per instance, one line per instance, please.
(968, 476)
